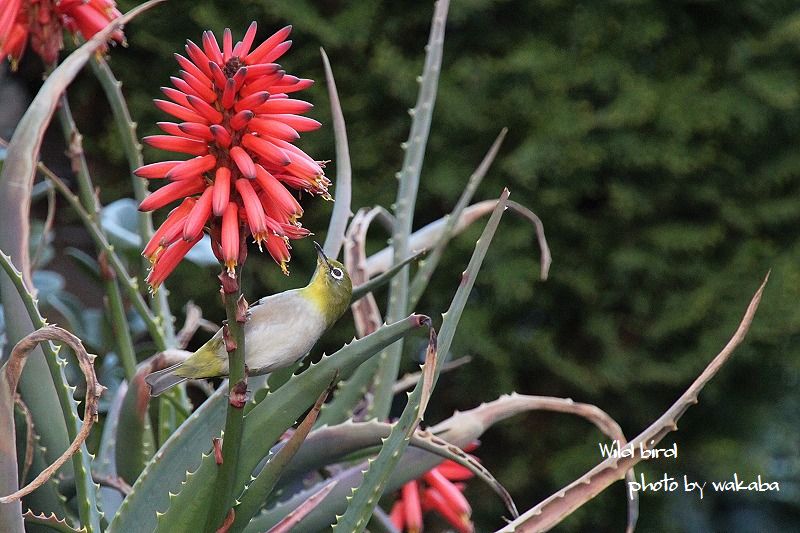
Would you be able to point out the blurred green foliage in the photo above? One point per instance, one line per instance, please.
(659, 144)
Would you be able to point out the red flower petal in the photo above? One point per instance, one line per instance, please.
(230, 237)
(193, 228)
(397, 515)
(412, 507)
(222, 191)
(432, 500)
(266, 150)
(277, 195)
(252, 101)
(283, 105)
(168, 260)
(198, 57)
(297, 122)
(205, 109)
(221, 136)
(176, 218)
(171, 192)
(192, 69)
(176, 144)
(196, 129)
(256, 218)
(156, 170)
(243, 162)
(178, 111)
(273, 128)
(241, 119)
(211, 47)
(192, 167)
(454, 497)
(267, 46)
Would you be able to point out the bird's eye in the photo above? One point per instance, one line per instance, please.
(337, 273)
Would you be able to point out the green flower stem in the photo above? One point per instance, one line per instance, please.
(133, 152)
(119, 321)
(234, 420)
(119, 325)
(129, 285)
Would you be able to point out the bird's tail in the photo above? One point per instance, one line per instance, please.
(163, 379)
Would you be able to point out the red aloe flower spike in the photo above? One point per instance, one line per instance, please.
(243, 162)
(222, 191)
(167, 262)
(412, 507)
(256, 218)
(171, 192)
(44, 22)
(257, 55)
(193, 228)
(454, 497)
(176, 218)
(232, 178)
(230, 238)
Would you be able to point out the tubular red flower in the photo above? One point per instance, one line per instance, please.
(168, 260)
(200, 213)
(243, 162)
(454, 498)
(222, 191)
(230, 237)
(412, 507)
(171, 192)
(235, 118)
(433, 500)
(176, 218)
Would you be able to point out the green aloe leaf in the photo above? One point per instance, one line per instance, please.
(254, 496)
(371, 489)
(341, 208)
(181, 458)
(387, 370)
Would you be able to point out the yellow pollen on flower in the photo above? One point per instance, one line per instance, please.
(259, 238)
(230, 266)
(155, 255)
(284, 268)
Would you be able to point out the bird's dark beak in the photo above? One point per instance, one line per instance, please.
(321, 254)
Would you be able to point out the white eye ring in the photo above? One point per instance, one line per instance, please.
(337, 273)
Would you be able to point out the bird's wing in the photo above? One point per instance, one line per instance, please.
(275, 309)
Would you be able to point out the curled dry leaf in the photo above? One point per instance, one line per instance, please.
(12, 372)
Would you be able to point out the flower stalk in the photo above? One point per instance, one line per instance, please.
(237, 392)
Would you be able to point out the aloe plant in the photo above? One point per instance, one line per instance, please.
(304, 449)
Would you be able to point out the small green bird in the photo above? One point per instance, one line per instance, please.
(280, 330)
